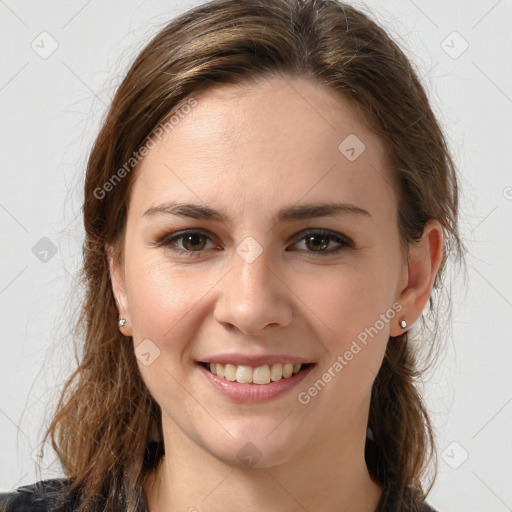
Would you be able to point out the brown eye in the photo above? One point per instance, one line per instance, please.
(317, 242)
(321, 242)
(194, 241)
(187, 243)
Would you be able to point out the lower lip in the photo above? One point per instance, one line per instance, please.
(255, 392)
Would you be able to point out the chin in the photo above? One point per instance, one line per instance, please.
(256, 447)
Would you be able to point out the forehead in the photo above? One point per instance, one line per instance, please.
(280, 140)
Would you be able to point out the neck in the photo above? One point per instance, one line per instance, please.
(330, 476)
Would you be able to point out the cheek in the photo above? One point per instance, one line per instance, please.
(164, 306)
(161, 298)
(349, 299)
(355, 310)
(355, 303)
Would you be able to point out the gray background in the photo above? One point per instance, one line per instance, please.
(50, 107)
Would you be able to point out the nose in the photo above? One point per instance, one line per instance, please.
(253, 296)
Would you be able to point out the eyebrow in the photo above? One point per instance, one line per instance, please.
(289, 214)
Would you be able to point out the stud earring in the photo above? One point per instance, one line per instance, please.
(122, 322)
(403, 324)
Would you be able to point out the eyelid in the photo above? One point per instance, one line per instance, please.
(167, 239)
(344, 242)
(339, 237)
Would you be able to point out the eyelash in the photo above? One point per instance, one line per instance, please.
(169, 241)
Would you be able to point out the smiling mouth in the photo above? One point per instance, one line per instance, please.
(264, 374)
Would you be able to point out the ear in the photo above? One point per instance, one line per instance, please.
(424, 260)
(117, 278)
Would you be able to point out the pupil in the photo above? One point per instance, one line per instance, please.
(315, 239)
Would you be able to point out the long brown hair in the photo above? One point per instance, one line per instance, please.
(104, 417)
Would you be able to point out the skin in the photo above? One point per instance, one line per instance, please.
(249, 151)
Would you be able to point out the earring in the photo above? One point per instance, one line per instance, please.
(403, 324)
(122, 322)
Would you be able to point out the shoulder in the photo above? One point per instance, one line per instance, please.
(41, 496)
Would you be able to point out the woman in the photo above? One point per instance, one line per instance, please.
(269, 207)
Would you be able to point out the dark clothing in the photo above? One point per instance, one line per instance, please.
(40, 496)
(56, 495)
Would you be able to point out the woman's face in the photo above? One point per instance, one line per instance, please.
(291, 256)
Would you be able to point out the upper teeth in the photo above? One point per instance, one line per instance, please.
(260, 375)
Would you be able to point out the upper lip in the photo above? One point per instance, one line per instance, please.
(255, 361)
